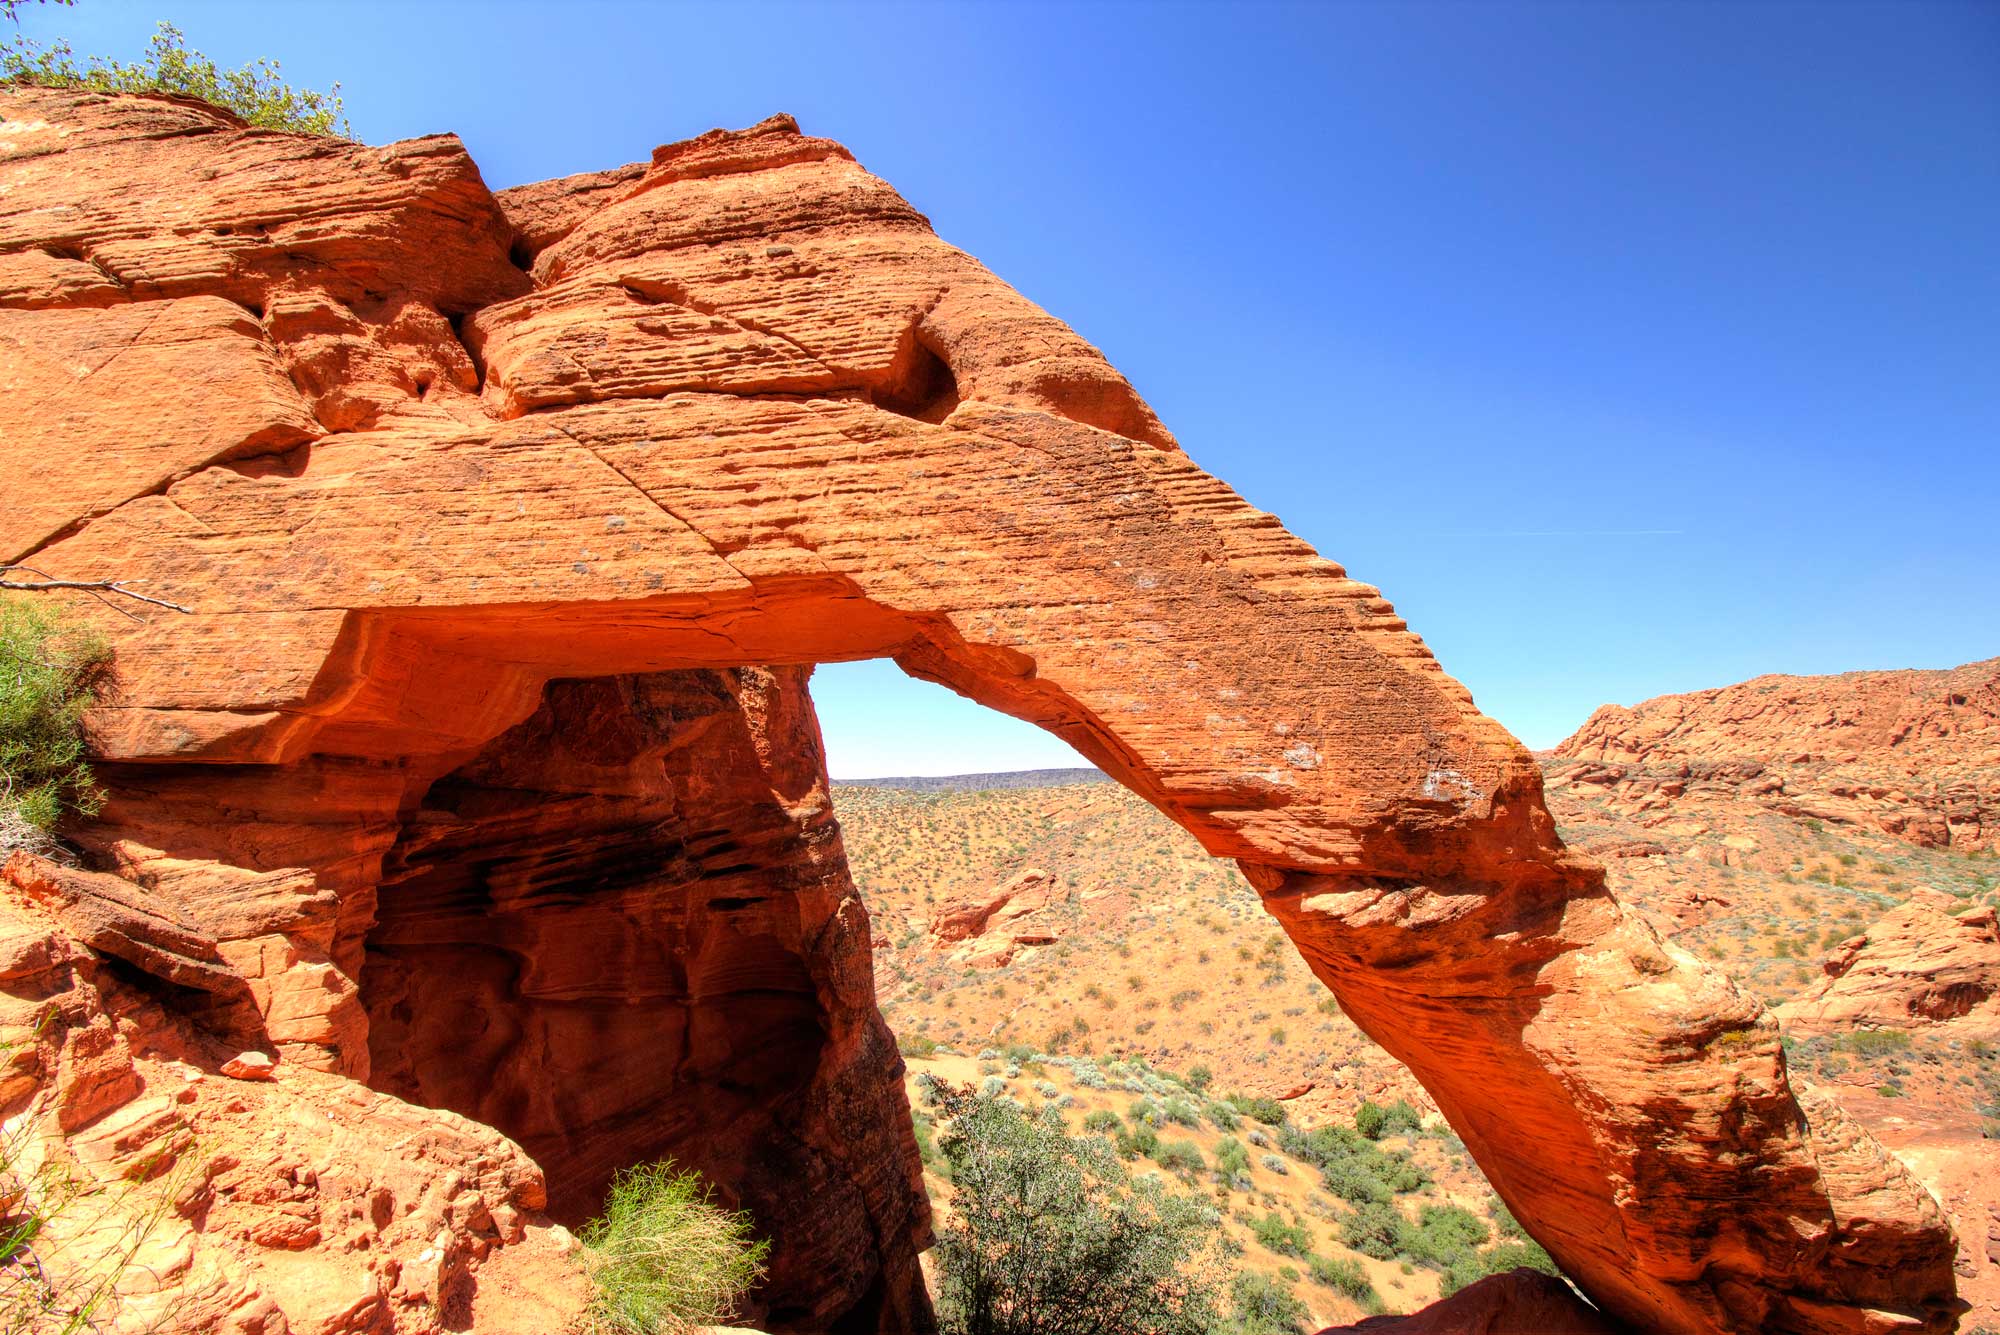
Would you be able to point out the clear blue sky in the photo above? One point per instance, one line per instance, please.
(1630, 348)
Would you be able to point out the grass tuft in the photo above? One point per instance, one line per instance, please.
(665, 1258)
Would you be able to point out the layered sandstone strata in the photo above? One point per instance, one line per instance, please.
(740, 407)
(1915, 754)
(1919, 966)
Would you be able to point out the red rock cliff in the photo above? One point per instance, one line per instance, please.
(1913, 753)
(413, 454)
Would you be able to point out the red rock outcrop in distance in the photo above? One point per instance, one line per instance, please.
(1919, 966)
(1913, 753)
(413, 452)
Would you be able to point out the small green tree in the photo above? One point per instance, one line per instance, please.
(51, 666)
(664, 1258)
(1047, 1236)
(256, 92)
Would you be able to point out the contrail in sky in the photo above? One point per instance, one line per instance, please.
(1572, 533)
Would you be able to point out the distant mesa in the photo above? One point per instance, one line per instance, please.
(975, 783)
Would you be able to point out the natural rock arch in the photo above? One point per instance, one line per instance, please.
(414, 453)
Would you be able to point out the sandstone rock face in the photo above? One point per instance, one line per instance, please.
(1522, 1302)
(300, 1201)
(1025, 911)
(739, 407)
(1915, 754)
(625, 931)
(1918, 966)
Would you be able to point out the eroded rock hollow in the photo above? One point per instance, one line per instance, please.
(508, 523)
(625, 931)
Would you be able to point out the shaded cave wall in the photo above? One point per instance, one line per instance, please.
(625, 931)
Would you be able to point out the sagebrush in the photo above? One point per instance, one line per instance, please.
(257, 92)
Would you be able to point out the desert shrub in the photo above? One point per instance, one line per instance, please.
(1265, 1306)
(255, 92)
(1278, 1236)
(1268, 1111)
(1102, 1122)
(664, 1257)
(1874, 1042)
(1140, 1142)
(1344, 1276)
(1230, 1157)
(1353, 1168)
(1374, 1121)
(1474, 1266)
(51, 665)
(1445, 1235)
(1376, 1229)
(926, 1146)
(1179, 1156)
(1198, 1077)
(915, 1045)
(1047, 1234)
(1224, 1115)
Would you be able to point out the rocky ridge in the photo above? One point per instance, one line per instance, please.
(1915, 754)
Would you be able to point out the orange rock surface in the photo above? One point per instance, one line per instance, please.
(741, 407)
(1523, 1302)
(1917, 966)
(1915, 754)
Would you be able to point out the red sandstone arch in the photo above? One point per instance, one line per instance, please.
(743, 408)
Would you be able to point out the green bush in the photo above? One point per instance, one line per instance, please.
(1230, 1156)
(1278, 1236)
(1048, 1235)
(1139, 1143)
(1499, 1260)
(1179, 1156)
(1353, 1168)
(664, 1258)
(51, 666)
(1103, 1122)
(1268, 1111)
(1374, 1121)
(255, 92)
(1376, 1229)
(1265, 1306)
(1445, 1236)
(1344, 1276)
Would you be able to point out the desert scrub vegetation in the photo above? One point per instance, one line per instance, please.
(51, 667)
(256, 92)
(663, 1258)
(1047, 1234)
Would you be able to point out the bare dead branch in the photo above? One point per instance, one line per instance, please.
(97, 588)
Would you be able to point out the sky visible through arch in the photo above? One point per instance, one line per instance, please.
(1629, 348)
